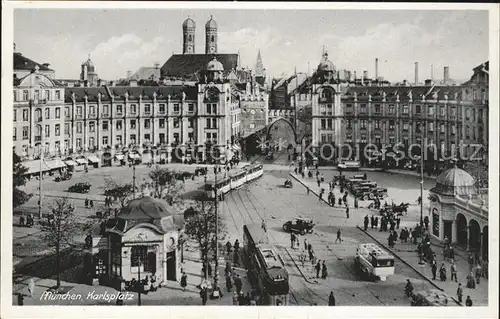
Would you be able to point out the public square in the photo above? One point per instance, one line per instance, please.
(267, 200)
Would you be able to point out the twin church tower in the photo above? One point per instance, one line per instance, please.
(188, 31)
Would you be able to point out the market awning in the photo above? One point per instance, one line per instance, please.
(34, 167)
(134, 156)
(71, 163)
(93, 159)
(81, 161)
(55, 163)
(119, 157)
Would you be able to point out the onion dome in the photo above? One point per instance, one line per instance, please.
(215, 65)
(325, 64)
(89, 64)
(211, 24)
(188, 23)
(455, 181)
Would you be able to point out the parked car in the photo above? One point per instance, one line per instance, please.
(299, 225)
(81, 188)
(349, 166)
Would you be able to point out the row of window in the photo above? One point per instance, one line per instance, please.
(406, 126)
(37, 95)
(405, 109)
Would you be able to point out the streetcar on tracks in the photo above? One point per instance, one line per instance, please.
(266, 269)
(374, 261)
(235, 179)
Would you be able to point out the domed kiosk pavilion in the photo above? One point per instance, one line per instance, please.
(458, 210)
(143, 238)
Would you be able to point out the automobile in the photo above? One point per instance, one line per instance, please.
(432, 298)
(81, 188)
(269, 156)
(363, 192)
(299, 225)
(380, 192)
(349, 166)
(288, 183)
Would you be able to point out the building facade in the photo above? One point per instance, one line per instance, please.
(452, 118)
(458, 210)
(38, 116)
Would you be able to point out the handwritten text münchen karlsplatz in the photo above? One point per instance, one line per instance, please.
(93, 295)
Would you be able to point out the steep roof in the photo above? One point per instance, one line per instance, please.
(146, 73)
(455, 181)
(23, 63)
(185, 65)
(405, 91)
(147, 92)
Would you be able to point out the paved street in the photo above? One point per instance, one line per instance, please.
(267, 199)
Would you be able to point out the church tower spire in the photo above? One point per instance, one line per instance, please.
(260, 71)
(211, 28)
(188, 32)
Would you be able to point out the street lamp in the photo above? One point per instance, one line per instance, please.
(139, 283)
(215, 291)
(422, 188)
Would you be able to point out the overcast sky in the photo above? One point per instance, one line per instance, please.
(121, 40)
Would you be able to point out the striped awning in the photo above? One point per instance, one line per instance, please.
(93, 159)
(236, 147)
(34, 166)
(71, 163)
(119, 156)
(81, 161)
(55, 163)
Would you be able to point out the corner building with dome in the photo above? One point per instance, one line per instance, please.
(459, 211)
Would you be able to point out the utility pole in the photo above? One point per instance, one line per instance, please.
(133, 178)
(422, 187)
(215, 291)
(40, 195)
(139, 284)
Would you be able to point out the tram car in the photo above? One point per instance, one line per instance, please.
(373, 261)
(235, 179)
(265, 266)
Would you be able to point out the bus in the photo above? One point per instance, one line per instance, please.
(374, 261)
(265, 266)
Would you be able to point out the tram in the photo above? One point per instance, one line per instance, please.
(374, 261)
(265, 266)
(235, 179)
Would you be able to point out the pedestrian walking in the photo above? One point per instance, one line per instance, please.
(235, 299)
(442, 272)
(238, 283)
(292, 240)
(331, 299)
(470, 259)
(324, 270)
(471, 283)
(460, 293)
(229, 282)
(339, 236)
(305, 243)
(228, 248)
(340, 201)
(398, 221)
(356, 203)
(318, 268)
(453, 270)
(366, 222)
(263, 225)
(347, 212)
(468, 302)
(372, 221)
(203, 295)
(184, 281)
(20, 299)
(31, 287)
(478, 272)
(434, 271)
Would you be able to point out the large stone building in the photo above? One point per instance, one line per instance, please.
(174, 120)
(359, 112)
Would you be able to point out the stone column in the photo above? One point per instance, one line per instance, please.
(453, 238)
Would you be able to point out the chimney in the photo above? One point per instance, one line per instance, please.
(446, 76)
(376, 68)
(416, 72)
(355, 77)
(157, 65)
(365, 74)
(129, 74)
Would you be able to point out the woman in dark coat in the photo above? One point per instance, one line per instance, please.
(331, 299)
(184, 281)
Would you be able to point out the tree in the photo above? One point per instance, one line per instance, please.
(202, 226)
(19, 197)
(59, 231)
(119, 193)
(165, 185)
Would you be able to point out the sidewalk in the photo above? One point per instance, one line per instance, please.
(408, 252)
